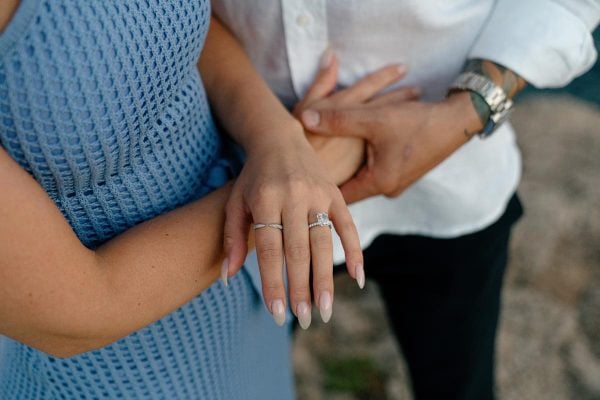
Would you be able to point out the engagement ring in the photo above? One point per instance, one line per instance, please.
(322, 220)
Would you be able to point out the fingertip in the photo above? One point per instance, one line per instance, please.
(327, 58)
(416, 92)
(235, 261)
(310, 118)
(359, 275)
(401, 69)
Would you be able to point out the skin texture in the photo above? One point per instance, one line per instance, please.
(406, 139)
(64, 299)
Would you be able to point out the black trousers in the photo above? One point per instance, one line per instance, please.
(443, 301)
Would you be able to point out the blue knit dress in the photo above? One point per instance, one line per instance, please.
(102, 103)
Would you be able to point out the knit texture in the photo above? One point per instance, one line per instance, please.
(101, 102)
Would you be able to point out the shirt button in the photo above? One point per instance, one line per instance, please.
(303, 20)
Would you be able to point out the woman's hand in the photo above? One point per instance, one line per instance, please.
(284, 182)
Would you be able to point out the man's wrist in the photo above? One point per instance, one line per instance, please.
(467, 111)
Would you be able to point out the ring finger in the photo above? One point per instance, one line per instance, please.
(321, 248)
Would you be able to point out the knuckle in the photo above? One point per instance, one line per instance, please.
(355, 255)
(397, 191)
(323, 280)
(388, 74)
(388, 184)
(299, 293)
(269, 251)
(344, 222)
(336, 119)
(228, 241)
(272, 289)
(296, 187)
(322, 242)
(264, 193)
(297, 253)
(384, 115)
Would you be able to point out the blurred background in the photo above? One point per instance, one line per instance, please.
(549, 340)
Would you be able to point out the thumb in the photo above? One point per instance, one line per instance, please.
(360, 187)
(235, 236)
(338, 122)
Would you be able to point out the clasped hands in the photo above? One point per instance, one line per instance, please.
(368, 141)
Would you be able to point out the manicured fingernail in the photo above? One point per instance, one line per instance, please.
(278, 311)
(360, 275)
(326, 58)
(310, 118)
(225, 271)
(401, 68)
(303, 313)
(325, 306)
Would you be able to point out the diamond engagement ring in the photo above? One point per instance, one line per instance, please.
(322, 220)
(276, 226)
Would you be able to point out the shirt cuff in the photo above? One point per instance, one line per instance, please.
(548, 43)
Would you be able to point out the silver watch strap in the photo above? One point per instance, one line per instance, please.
(494, 96)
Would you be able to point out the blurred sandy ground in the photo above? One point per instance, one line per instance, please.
(549, 343)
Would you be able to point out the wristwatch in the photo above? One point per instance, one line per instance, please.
(495, 97)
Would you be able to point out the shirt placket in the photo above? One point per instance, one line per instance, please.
(306, 38)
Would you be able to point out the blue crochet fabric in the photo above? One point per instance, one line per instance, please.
(101, 102)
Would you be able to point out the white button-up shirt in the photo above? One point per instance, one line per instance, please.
(548, 42)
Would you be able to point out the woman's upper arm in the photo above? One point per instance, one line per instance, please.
(7, 10)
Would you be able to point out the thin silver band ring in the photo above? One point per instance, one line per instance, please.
(276, 226)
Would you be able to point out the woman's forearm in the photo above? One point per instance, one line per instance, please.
(239, 95)
(60, 297)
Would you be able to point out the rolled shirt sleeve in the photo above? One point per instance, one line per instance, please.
(547, 42)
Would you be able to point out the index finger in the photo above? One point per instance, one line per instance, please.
(364, 89)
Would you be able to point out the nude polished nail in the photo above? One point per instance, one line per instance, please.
(325, 306)
(360, 275)
(304, 315)
(278, 311)
(225, 271)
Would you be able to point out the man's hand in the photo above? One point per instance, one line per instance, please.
(405, 139)
(343, 156)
